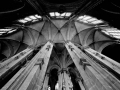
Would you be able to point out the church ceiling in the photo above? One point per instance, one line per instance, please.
(57, 31)
(33, 24)
(59, 39)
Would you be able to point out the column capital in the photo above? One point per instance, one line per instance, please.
(63, 70)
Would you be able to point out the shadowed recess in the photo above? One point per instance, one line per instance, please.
(112, 51)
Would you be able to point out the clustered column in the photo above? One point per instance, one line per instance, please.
(45, 85)
(94, 75)
(80, 82)
(64, 81)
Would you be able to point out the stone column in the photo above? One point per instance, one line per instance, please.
(46, 52)
(45, 85)
(98, 76)
(60, 80)
(68, 83)
(76, 59)
(80, 83)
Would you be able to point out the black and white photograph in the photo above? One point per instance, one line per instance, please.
(59, 45)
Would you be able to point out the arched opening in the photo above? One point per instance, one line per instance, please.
(5, 50)
(112, 51)
(53, 78)
(74, 81)
(2, 57)
(74, 77)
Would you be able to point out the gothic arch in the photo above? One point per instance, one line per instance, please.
(105, 45)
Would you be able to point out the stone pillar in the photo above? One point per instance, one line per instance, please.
(45, 85)
(46, 52)
(76, 59)
(80, 83)
(94, 75)
(68, 83)
(60, 80)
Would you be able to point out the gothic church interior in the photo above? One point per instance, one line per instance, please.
(59, 45)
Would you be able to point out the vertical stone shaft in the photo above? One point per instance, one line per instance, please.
(60, 80)
(46, 53)
(68, 83)
(100, 77)
(81, 85)
(76, 60)
(45, 85)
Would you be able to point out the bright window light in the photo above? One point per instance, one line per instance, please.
(63, 14)
(52, 14)
(11, 31)
(81, 17)
(89, 19)
(92, 19)
(28, 19)
(5, 30)
(57, 14)
(112, 29)
(112, 32)
(97, 22)
(32, 17)
(38, 16)
(115, 34)
(86, 17)
(22, 21)
(117, 37)
(68, 14)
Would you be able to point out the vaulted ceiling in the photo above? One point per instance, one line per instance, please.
(58, 31)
